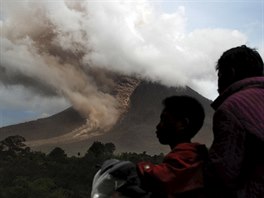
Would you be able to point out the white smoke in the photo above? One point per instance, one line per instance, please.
(67, 48)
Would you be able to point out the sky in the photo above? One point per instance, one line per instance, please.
(60, 53)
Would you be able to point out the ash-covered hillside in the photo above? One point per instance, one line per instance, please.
(134, 131)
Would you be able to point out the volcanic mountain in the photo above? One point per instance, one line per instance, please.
(134, 131)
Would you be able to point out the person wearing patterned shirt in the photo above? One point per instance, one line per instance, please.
(236, 162)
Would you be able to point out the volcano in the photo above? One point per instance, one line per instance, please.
(133, 132)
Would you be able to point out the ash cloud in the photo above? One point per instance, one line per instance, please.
(74, 48)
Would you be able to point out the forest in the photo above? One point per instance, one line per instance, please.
(33, 174)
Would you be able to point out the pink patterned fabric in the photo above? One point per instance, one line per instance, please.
(237, 153)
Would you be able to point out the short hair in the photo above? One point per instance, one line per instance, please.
(244, 61)
(186, 107)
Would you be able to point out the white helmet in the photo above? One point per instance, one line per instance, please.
(116, 179)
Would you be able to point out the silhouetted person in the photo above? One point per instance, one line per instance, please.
(180, 174)
(236, 157)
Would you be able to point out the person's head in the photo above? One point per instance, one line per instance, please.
(236, 64)
(180, 120)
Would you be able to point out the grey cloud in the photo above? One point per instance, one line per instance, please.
(77, 48)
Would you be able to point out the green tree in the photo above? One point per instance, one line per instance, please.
(110, 148)
(97, 149)
(58, 154)
(14, 144)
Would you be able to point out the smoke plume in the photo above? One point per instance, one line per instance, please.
(74, 48)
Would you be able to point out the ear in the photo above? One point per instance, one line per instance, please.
(183, 124)
(225, 79)
(186, 121)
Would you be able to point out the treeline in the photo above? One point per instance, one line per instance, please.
(32, 174)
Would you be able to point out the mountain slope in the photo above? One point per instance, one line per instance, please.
(134, 132)
(56, 125)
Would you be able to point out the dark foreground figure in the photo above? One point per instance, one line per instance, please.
(236, 166)
(181, 173)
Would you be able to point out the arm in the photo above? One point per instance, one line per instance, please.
(227, 152)
(175, 175)
(153, 177)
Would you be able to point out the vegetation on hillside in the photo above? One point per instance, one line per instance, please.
(32, 174)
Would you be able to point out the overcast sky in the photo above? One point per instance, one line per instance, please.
(49, 48)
